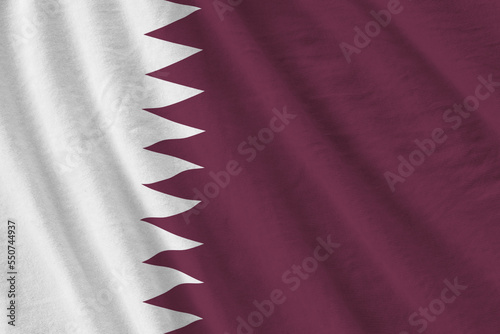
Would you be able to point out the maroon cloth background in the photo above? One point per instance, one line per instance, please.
(324, 173)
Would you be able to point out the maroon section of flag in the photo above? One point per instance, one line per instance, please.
(350, 154)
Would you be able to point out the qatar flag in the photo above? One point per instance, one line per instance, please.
(250, 167)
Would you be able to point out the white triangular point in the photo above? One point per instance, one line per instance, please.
(180, 53)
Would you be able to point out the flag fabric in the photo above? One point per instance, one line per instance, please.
(240, 167)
